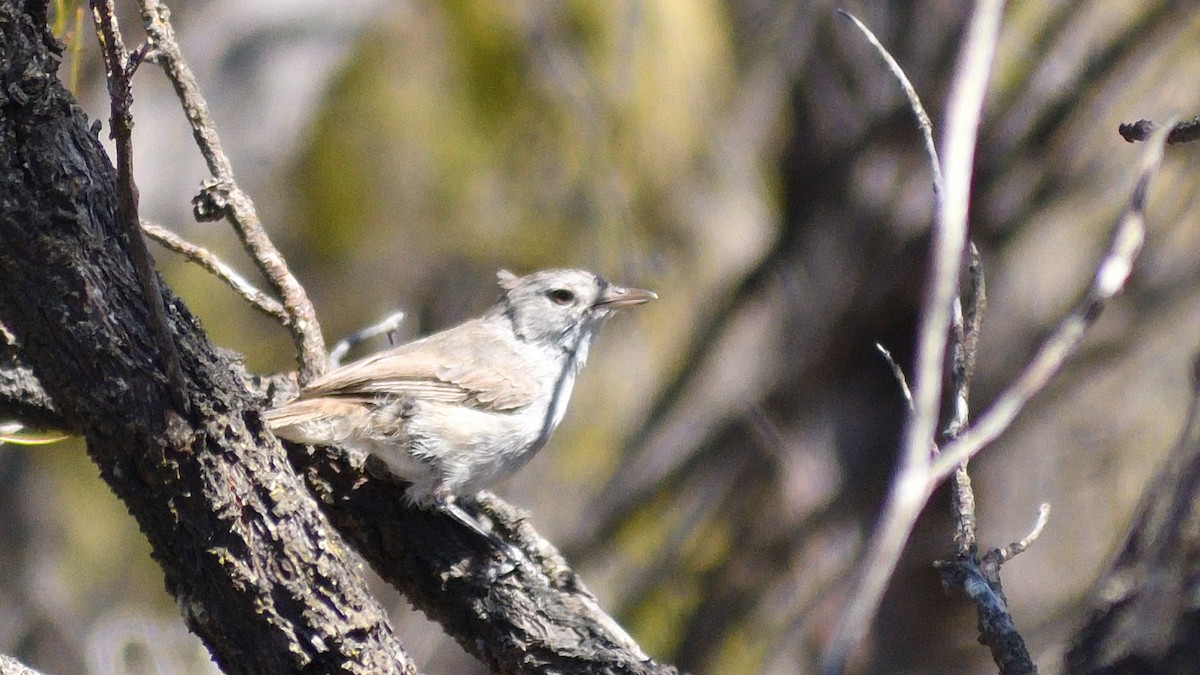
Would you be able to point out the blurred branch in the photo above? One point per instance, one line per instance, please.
(1180, 132)
(209, 261)
(910, 488)
(221, 195)
(1143, 616)
(1110, 277)
(11, 666)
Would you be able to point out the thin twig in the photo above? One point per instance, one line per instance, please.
(17, 433)
(966, 326)
(119, 66)
(388, 327)
(1003, 555)
(910, 489)
(1110, 278)
(898, 372)
(222, 196)
(976, 306)
(215, 266)
(914, 102)
(1182, 132)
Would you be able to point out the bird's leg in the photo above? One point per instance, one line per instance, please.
(447, 505)
(388, 326)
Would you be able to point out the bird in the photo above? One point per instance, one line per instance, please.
(455, 411)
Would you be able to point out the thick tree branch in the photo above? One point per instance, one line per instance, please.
(245, 551)
(258, 573)
(537, 618)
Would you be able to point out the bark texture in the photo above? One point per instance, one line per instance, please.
(245, 551)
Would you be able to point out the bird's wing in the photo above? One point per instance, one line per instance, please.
(474, 364)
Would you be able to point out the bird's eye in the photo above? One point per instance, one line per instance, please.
(561, 296)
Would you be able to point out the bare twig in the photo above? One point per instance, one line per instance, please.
(1110, 278)
(119, 66)
(966, 325)
(388, 327)
(1182, 132)
(221, 195)
(967, 321)
(910, 489)
(898, 372)
(214, 265)
(914, 102)
(1003, 555)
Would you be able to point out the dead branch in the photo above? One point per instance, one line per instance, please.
(1180, 132)
(910, 490)
(221, 195)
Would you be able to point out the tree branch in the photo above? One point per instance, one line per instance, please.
(255, 567)
(537, 618)
(244, 549)
(221, 195)
(1180, 132)
(215, 266)
(910, 490)
(119, 66)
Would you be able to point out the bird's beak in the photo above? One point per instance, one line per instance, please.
(615, 297)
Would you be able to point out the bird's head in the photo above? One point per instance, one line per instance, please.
(561, 306)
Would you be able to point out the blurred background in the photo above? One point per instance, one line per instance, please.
(753, 162)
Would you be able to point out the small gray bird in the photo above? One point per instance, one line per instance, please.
(452, 412)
